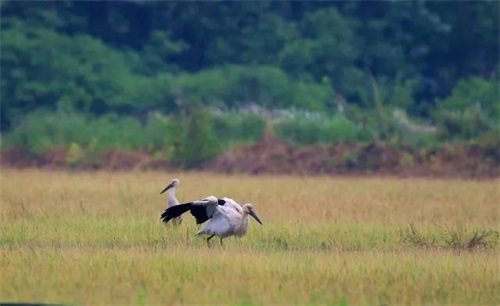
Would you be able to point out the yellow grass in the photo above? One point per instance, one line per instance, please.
(96, 238)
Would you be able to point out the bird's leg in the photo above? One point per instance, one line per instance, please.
(221, 247)
(208, 240)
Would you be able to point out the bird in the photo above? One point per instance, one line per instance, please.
(227, 217)
(172, 200)
(200, 212)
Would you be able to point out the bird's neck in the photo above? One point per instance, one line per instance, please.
(171, 196)
(244, 220)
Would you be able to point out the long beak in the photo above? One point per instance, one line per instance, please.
(166, 188)
(254, 215)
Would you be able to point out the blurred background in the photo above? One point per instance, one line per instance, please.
(247, 86)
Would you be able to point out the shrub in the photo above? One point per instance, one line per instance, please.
(117, 132)
(267, 86)
(471, 111)
(473, 92)
(233, 128)
(161, 132)
(311, 96)
(467, 124)
(457, 238)
(189, 140)
(209, 85)
(42, 130)
(317, 129)
(407, 160)
(197, 142)
(404, 131)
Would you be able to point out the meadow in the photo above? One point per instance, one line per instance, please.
(96, 238)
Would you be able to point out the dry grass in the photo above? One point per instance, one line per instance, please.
(95, 238)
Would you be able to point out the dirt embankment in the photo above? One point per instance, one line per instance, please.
(272, 156)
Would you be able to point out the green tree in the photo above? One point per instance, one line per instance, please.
(198, 142)
(42, 68)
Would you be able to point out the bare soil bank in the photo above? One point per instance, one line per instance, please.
(272, 156)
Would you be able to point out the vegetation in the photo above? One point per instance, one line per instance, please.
(456, 239)
(318, 129)
(191, 139)
(97, 238)
(116, 66)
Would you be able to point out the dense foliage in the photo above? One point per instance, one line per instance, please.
(115, 63)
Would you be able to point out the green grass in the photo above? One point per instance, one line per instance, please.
(95, 238)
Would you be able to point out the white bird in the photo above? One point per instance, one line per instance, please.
(227, 218)
(172, 200)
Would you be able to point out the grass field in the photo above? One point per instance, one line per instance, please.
(96, 238)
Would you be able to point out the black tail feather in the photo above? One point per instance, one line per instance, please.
(175, 211)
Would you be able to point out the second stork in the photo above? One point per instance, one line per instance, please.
(172, 200)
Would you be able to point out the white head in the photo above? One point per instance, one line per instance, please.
(174, 184)
(248, 209)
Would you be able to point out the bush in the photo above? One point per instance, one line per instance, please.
(235, 128)
(266, 86)
(197, 142)
(41, 131)
(161, 132)
(404, 131)
(317, 129)
(456, 238)
(473, 92)
(468, 124)
(189, 140)
(471, 111)
(311, 96)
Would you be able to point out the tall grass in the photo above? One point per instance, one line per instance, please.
(96, 238)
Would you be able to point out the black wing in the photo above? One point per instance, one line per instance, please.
(175, 211)
(198, 212)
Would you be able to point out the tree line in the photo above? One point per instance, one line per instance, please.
(431, 62)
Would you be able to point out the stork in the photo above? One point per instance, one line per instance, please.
(172, 200)
(200, 212)
(227, 218)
